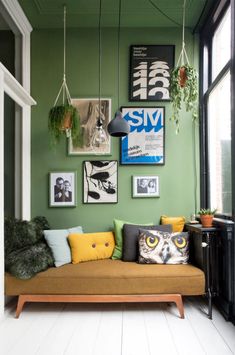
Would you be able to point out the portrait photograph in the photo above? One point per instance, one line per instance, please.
(145, 186)
(100, 181)
(62, 189)
(89, 113)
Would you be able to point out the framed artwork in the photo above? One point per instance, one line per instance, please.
(150, 67)
(145, 186)
(145, 144)
(62, 189)
(100, 181)
(89, 112)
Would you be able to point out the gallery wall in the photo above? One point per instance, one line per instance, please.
(178, 177)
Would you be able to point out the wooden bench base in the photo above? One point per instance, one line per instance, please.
(175, 298)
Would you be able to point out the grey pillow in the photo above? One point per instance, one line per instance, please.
(57, 240)
(130, 234)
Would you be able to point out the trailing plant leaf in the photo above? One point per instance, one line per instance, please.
(187, 93)
(55, 124)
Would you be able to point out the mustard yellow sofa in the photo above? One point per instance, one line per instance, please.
(109, 281)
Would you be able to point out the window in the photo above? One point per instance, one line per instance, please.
(221, 44)
(216, 129)
(219, 145)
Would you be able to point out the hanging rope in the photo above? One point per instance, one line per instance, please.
(164, 14)
(64, 88)
(183, 57)
(119, 30)
(100, 8)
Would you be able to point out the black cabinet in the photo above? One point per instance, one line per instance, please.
(213, 251)
(225, 299)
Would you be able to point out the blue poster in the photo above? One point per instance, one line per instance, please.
(145, 142)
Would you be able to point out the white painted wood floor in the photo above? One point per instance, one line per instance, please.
(118, 329)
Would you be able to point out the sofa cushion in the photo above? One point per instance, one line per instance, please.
(177, 222)
(91, 246)
(163, 248)
(130, 234)
(118, 226)
(20, 234)
(111, 277)
(57, 240)
(27, 262)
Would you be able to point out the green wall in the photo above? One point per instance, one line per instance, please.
(7, 57)
(177, 176)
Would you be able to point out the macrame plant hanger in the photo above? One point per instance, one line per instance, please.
(64, 87)
(183, 57)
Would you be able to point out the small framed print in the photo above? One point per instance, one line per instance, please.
(145, 186)
(100, 181)
(62, 189)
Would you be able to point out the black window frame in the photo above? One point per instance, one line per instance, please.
(206, 86)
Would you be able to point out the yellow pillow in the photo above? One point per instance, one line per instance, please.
(177, 222)
(91, 246)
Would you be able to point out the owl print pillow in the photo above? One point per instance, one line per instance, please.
(156, 247)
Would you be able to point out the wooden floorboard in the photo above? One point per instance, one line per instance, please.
(115, 329)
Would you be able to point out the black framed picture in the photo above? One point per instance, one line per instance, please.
(100, 181)
(150, 67)
(145, 144)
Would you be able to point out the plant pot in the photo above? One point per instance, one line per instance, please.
(182, 76)
(67, 122)
(206, 220)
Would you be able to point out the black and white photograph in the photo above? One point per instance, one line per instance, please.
(94, 116)
(145, 186)
(62, 189)
(150, 67)
(100, 181)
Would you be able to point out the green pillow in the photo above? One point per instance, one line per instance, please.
(118, 226)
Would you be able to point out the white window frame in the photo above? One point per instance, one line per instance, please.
(18, 23)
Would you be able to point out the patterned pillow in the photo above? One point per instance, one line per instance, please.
(156, 247)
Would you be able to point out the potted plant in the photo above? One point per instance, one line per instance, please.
(206, 217)
(183, 88)
(64, 118)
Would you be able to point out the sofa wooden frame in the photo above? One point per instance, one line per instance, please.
(174, 298)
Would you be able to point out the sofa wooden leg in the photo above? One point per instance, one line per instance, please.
(20, 305)
(179, 303)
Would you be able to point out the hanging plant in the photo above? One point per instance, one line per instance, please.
(64, 118)
(183, 84)
(183, 88)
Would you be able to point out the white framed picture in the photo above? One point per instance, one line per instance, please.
(145, 186)
(88, 109)
(62, 189)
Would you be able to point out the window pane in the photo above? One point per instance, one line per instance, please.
(219, 135)
(221, 45)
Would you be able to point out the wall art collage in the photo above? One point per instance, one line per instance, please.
(150, 67)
